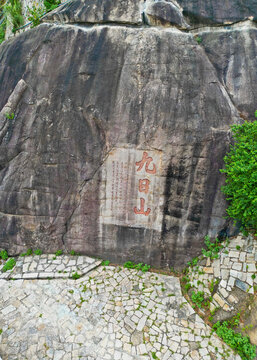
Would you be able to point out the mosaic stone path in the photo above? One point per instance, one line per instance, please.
(235, 268)
(49, 266)
(111, 313)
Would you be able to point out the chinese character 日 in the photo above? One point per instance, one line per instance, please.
(146, 160)
(144, 185)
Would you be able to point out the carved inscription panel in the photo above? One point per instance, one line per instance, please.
(132, 188)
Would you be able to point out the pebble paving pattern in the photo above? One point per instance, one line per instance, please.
(111, 313)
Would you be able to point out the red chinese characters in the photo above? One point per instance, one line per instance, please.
(144, 184)
(146, 160)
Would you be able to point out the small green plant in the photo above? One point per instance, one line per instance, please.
(241, 175)
(75, 276)
(1, 331)
(236, 341)
(71, 291)
(213, 248)
(255, 113)
(198, 298)
(35, 15)
(193, 262)
(154, 356)
(3, 255)
(9, 265)
(9, 116)
(58, 253)
(143, 267)
(238, 247)
(74, 253)
(198, 39)
(105, 263)
(38, 252)
(27, 253)
(51, 4)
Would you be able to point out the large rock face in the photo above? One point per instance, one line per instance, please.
(119, 131)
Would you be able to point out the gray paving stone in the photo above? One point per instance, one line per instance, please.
(241, 285)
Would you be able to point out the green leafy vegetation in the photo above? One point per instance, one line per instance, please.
(58, 253)
(236, 341)
(213, 248)
(3, 255)
(154, 356)
(198, 39)
(9, 265)
(241, 175)
(27, 253)
(38, 252)
(198, 298)
(193, 262)
(51, 4)
(74, 253)
(35, 15)
(75, 276)
(36, 12)
(14, 8)
(143, 267)
(105, 263)
(9, 116)
(10, 10)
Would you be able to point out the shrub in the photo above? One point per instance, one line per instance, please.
(241, 175)
(236, 341)
(51, 4)
(14, 8)
(36, 12)
(35, 15)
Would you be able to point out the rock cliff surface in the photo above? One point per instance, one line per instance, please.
(121, 118)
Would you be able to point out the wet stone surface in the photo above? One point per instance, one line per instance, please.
(111, 313)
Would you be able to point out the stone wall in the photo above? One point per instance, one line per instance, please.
(122, 120)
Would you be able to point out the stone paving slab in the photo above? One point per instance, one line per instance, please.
(49, 266)
(111, 313)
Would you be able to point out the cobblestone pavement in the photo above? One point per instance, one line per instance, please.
(49, 266)
(110, 313)
(235, 268)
